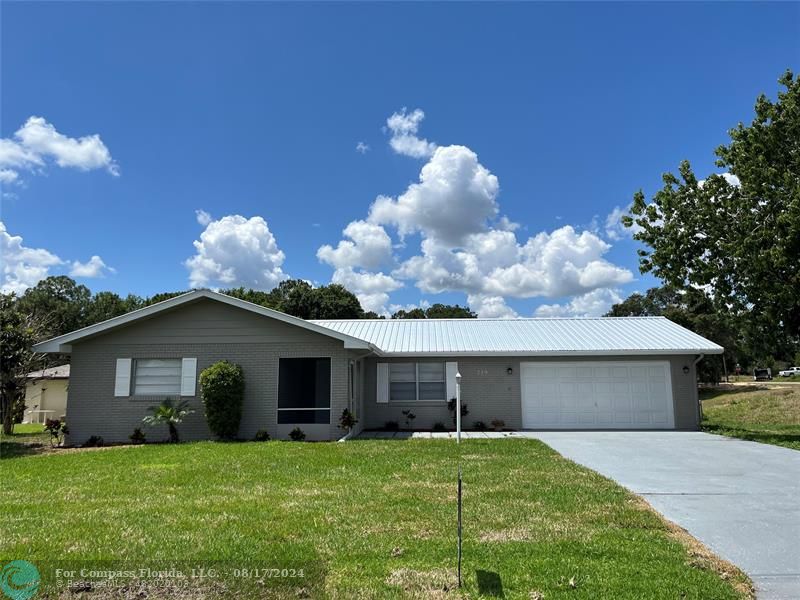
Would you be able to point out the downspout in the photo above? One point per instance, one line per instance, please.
(699, 404)
(349, 434)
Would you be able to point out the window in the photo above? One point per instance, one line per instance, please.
(157, 376)
(304, 390)
(411, 382)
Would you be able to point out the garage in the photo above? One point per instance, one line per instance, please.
(597, 395)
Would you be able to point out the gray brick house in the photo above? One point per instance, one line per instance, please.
(602, 373)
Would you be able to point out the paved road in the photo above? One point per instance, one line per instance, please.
(741, 499)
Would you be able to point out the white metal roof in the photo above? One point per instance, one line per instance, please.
(554, 337)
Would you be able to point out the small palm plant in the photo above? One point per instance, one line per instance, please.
(170, 414)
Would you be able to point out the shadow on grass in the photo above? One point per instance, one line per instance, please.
(764, 437)
(712, 392)
(17, 449)
(489, 584)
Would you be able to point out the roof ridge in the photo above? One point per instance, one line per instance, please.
(492, 319)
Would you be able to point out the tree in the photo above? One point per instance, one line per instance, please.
(19, 330)
(449, 311)
(738, 238)
(294, 297)
(222, 391)
(59, 302)
(160, 297)
(169, 414)
(259, 297)
(414, 313)
(334, 301)
(652, 304)
(107, 305)
(437, 311)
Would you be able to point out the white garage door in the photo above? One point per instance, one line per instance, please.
(597, 395)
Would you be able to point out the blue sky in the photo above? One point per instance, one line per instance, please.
(550, 114)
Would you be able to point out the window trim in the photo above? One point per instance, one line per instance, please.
(417, 399)
(278, 409)
(134, 368)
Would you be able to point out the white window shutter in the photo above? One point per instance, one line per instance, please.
(122, 379)
(451, 368)
(188, 376)
(382, 394)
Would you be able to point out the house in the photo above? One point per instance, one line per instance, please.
(46, 394)
(600, 373)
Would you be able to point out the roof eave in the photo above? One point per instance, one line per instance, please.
(532, 353)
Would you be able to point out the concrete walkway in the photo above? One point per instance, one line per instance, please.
(741, 499)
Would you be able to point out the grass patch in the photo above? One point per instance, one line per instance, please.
(27, 438)
(366, 519)
(769, 415)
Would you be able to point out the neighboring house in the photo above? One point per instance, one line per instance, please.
(46, 394)
(601, 373)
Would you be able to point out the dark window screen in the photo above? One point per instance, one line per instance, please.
(304, 383)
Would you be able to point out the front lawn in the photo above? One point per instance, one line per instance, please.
(769, 415)
(362, 519)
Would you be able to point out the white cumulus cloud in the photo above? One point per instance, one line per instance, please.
(403, 127)
(592, 304)
(368, 246)
(371, 289)
(362, 147)
(94, 267)
(465, 245)
(491, 307)
(235, 251)
(23, 267)
(37, 142)
(454, 197)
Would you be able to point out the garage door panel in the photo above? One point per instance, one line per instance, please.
(612, 394)
(622, 388)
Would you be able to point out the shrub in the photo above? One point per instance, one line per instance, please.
(137, 437)
(498, 424)
(439, 426)
(57, 428)
(297, 435)
(348, 420)
(261, 436)
(479, 426)
(391, 426)
(410, 416)
(94, 441)
(169, 414)
(451, 406)
(222, 392)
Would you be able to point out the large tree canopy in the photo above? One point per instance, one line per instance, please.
(736, 235)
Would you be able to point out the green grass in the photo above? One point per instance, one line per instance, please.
(768, 415)
(27, 438)
(365, 519)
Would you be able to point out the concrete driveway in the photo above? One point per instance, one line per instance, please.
(741, 499)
